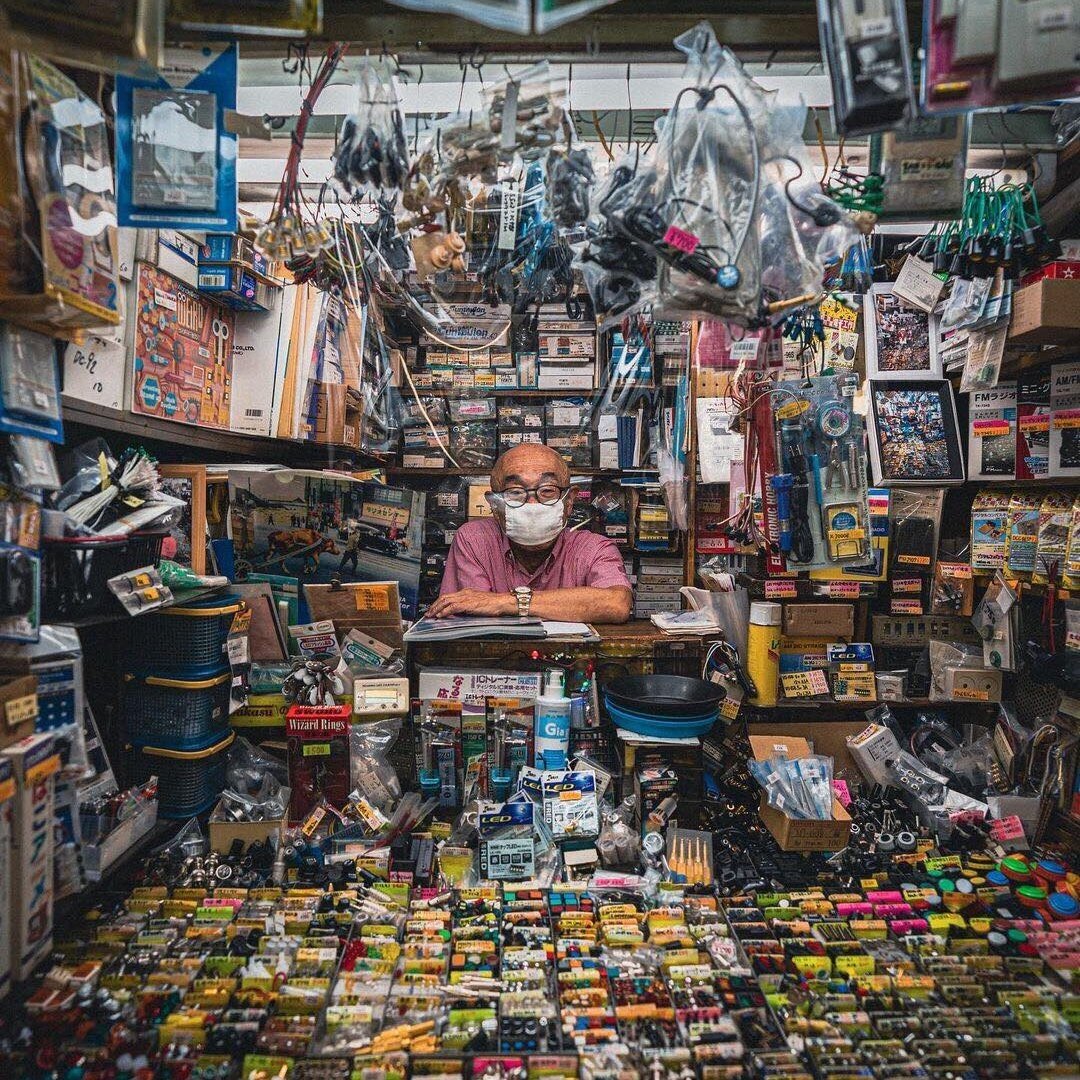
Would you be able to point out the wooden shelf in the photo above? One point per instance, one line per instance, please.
(473, 392)
(188, 437)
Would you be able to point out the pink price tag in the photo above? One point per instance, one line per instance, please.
(840, 790)
(848, 589)
(684, 241)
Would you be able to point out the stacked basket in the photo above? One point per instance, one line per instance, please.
(176, 703)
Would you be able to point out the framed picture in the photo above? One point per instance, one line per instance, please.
(901, 340)
(913, 437)
(188, 482)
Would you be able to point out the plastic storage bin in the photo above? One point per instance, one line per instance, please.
(177, 710)
(188, 634)
(189, 781)
(76, 570)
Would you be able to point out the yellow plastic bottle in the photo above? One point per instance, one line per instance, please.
(763, 651)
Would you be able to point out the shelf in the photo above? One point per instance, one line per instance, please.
(1041, 481)
(192, 436)
(480, 392)
(483, 470)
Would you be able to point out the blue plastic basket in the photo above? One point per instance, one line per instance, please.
(189, 634)
(177, 709)
(189, 781)
(661, 726)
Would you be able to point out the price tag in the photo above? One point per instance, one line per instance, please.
(780, 590)
(984, 429)
(789, 410)
(970, 693)
(901, 606)
(847, 590)
(94, 372)
(509, 209)
(804, 683)
(681, 240)
(372, 598)
(20, 709)
(316, 749)
(729, 707)
(1066, 419)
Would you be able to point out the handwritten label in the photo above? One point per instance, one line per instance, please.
(19, 710)
(1067, 419)
(680, 239)
(917, 284)
(94, 372)
(804, 683)
(905, 607)
(847, 590)
(372, 598)
(780, 590)
(970, 693)
(1034, 423)
(509, 208)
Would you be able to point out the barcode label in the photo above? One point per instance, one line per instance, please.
(253, 412)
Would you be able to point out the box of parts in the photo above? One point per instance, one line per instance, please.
(794, 834)
(1046, 313)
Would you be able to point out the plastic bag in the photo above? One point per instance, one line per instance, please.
(372, 776)
(372, 149)
(619, 843)
(256, 785)
(525, 113)
(570, 179)
(619, 269)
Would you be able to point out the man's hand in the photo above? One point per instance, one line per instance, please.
(473, 602)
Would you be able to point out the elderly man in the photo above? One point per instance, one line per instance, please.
(523, 561)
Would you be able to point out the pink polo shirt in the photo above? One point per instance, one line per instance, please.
(480, 558)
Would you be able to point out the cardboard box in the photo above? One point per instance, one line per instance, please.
(97, 858)
(790, 833)
(820, 620)
(34, 766)
(18, 709)
(1047, 313)
(224, 833)
(7, 793)
(339, 410)
(828, 737)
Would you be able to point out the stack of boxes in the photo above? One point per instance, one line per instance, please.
(520, 422)
(658, 582)
(235, 274)
(568, 430)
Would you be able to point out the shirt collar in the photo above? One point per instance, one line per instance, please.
(551, 557)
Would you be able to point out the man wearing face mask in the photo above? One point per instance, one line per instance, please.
(523, 560)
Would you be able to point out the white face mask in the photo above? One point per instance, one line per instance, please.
(534, 524)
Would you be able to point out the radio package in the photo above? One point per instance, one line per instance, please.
(175, 158)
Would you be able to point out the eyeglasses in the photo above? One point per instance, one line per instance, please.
(547, 494)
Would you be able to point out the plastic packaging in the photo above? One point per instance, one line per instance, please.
(373, 777)
(372, 149)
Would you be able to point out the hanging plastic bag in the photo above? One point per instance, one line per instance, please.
(372, 150)
(525, 113)
(618, 267)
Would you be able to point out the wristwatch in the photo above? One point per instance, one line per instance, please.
(523, 596)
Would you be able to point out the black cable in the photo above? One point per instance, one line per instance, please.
(802, 539)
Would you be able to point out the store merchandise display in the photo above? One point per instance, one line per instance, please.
(318, 758)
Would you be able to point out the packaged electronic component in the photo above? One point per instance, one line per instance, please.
(866, 48)
(507, 842)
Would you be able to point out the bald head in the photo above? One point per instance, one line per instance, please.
(527, 465)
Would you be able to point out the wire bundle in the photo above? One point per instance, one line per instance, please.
(134, 477)
(287, 234)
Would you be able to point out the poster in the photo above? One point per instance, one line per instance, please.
(316, 526)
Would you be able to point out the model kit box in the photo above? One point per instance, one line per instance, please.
(34, 767)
